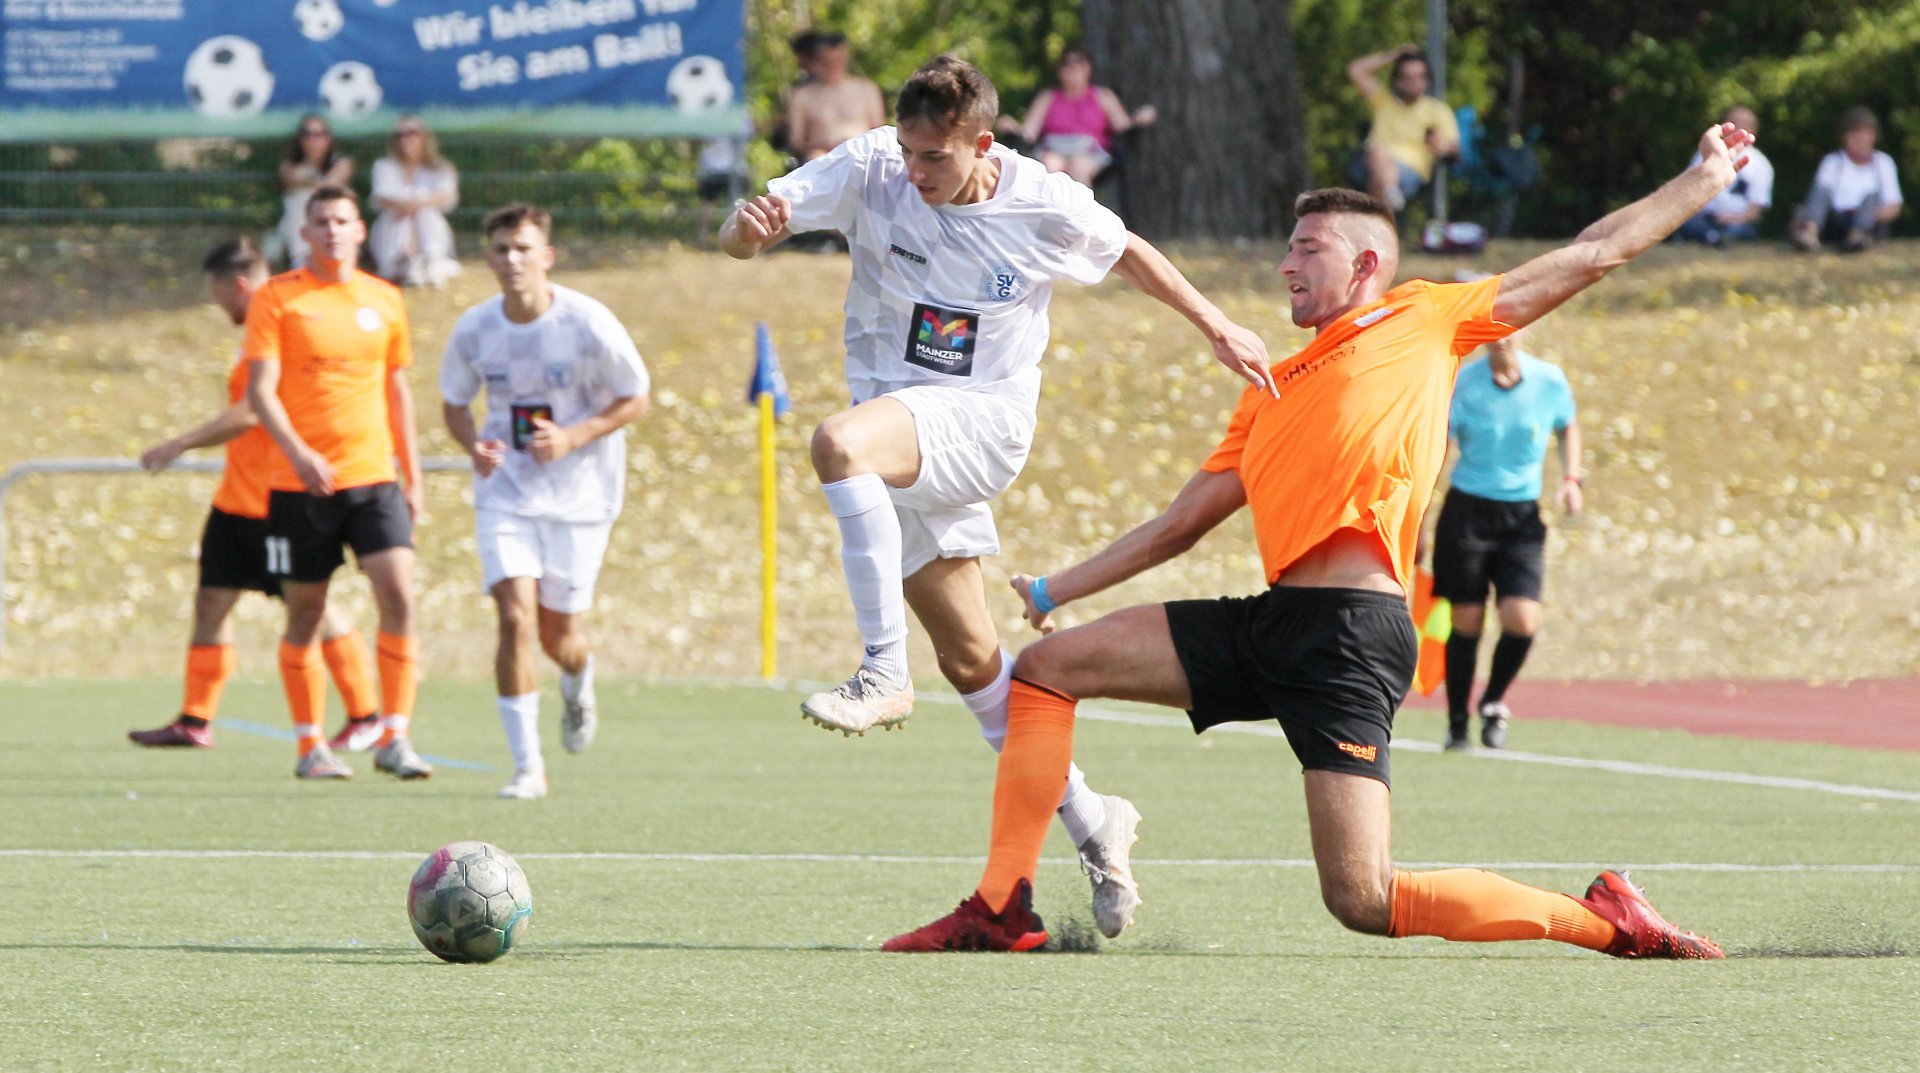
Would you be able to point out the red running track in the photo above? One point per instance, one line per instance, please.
(1868, 713)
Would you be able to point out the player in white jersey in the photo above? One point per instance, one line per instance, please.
(956, 245)
(563, 380)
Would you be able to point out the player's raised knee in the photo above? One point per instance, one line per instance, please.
(838, 447)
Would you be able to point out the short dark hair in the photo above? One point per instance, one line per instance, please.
(1405, 58)
(804, 44)
(1341, 200)
(237, 256)
(1859, 117)
(331, 192)
(513, 216)
(948, 92)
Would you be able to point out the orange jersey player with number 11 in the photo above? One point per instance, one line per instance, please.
(1338, 470)
(328, 349)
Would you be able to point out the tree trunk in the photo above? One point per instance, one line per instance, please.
(1229, 152)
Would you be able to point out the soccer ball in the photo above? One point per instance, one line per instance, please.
(227, 76)
(469, 901)
(350, 90)
(699, 84)
(318, 19)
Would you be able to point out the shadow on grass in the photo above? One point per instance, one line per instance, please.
(1823, 952)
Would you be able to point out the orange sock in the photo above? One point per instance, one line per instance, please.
(306, 682)
(1467, 905)
(399, 683)
(346, 657)
(1033, 775)
(208, 668)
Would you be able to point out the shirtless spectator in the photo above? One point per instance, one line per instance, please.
(833, 107)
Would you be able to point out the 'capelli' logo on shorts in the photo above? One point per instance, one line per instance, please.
(1369, 753)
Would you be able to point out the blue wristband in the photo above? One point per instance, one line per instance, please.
(1041, 601)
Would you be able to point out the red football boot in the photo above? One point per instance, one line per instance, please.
(973, 926)
(174, 734)
(1643, 932)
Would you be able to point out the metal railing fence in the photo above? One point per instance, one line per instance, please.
(111, 466)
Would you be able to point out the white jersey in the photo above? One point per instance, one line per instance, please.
(954, 295)
(567, 365)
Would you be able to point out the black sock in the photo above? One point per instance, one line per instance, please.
(1508, 654)
(1463, 651)
(192, 721)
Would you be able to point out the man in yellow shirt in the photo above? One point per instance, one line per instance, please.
(1411, 131)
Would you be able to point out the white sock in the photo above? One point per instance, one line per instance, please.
(1081, 810)
(575, 686)
(870, 554)
(396, 723)
(520, 718)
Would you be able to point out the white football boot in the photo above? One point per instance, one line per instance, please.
(1106, 857)
(319, 763)
(579, 719)
(859, 704)
(398, 759)
(526, 786)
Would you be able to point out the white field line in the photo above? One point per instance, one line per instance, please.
(1272, 730)
(909, 859)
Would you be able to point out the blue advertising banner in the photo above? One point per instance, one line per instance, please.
(249, 68)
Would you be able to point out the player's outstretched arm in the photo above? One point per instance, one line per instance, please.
(1538, 287)
(1235, 347)
(755, 225)
(1207, 500)
(263, 394)
(230, 423)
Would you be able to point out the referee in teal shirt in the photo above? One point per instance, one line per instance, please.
(1506, 406)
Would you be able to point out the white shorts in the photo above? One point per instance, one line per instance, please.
(972, 446)
(564, 556)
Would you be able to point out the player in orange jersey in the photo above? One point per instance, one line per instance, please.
(1338, 470)
(233, 551)
(328, 350)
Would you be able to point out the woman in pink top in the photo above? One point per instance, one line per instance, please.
(1071, 127)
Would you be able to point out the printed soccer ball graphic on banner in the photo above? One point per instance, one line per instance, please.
(700, 84)
(319, 19)
(349, 90)
(227, 76)
(469, 901)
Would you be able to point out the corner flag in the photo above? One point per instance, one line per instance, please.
(767, 377)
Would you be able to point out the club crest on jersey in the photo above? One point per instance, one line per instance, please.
(559, 377)
(1003, 284)
(942, 339)
(369, 319)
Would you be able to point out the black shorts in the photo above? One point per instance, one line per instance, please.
(307, 534)
(1332, 665)
(233, 554)
(1477, 541)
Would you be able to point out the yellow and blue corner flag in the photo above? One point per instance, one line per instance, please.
(767, 377)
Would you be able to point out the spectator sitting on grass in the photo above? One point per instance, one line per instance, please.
(1734, 214)
(1071, 126)
(1856, 192)
(1411, 131)
(414, 187)
(313, 161)
(835, 105)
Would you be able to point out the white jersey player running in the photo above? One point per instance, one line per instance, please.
(956, 244)
(563, 380)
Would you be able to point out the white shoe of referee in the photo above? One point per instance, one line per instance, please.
(526, 786)
(860, 703)
(1107, 858)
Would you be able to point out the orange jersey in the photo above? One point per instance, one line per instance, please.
(243, 489)
(335, 343)
(1359, 432)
